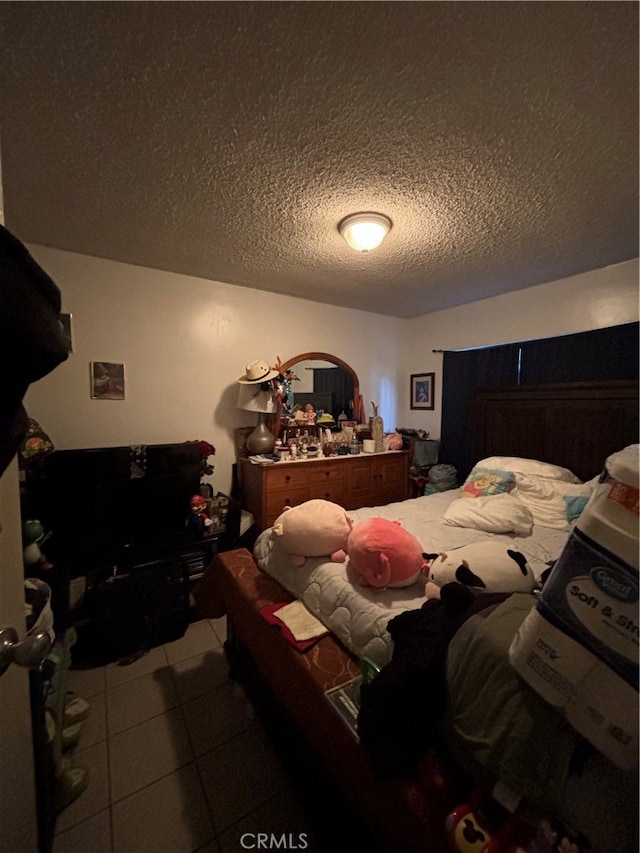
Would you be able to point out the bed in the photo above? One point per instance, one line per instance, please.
(358, 616)
(569, 428)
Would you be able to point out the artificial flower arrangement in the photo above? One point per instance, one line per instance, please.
(206, 450)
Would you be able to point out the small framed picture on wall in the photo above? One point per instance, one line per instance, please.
(422, 390)
(107, 380)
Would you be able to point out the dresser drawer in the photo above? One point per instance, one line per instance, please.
(277, 501)
(327, 474)
(328, 491)
(282, 476)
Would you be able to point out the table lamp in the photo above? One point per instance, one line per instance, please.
(253, 398)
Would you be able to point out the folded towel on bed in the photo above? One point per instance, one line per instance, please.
(300, 621)
(296, 624)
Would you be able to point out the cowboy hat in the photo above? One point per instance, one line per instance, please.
(256, 372)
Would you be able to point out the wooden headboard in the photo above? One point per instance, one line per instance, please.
(576, 425)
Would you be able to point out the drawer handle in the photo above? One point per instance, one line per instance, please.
(288, 477)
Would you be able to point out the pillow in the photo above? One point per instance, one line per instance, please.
(492, 514)
(545, 499)
(482, 482)
(530, 467)
(580, 490)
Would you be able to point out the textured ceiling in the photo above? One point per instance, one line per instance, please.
(226, 140)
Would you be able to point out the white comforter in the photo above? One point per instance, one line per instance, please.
(357, 615)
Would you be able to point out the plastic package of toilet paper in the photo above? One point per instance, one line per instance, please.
(579, 647)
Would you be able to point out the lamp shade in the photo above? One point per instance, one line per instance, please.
(254, 399)
(364, 231)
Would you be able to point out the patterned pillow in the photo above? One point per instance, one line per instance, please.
(487, 481)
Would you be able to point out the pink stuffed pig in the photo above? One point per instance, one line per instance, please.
(315, 528)
(384, 554)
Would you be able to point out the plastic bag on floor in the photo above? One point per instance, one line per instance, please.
(38, 607)
(442, 478)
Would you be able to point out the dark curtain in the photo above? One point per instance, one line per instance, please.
(338, 383)
(585, 357)
(463, 373)
(599, 355)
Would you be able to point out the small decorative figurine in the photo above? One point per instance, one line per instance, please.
(377, 429)
(34, 535)
(395, 441)
(199, 521)
(310, 414)
(283, 389)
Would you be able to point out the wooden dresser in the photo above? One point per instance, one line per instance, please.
(368, 479)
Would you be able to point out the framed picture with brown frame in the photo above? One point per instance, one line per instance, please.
(422, 390)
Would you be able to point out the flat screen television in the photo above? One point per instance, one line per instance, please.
(115, 505)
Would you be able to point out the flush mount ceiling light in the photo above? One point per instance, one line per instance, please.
(364, 231)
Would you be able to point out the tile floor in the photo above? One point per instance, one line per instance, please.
(177, 761)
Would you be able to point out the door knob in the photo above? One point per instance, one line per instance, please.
(30, 652)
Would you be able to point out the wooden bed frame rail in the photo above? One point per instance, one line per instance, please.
(234, 584)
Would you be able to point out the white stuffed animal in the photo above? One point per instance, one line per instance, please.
(483, 566)
(314, 528)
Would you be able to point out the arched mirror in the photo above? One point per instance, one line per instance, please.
(325, 381)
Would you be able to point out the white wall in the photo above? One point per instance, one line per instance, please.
(184, 343)
(593, 300)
